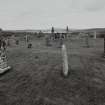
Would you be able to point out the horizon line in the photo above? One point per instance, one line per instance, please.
(54, 27)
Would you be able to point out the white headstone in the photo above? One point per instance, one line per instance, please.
(87, 40)
(3, 63)
(65, 60)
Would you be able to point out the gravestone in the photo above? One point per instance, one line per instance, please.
(87, 40)
(3, 62)
(47, 41)
(60, 43)
(26, 38)
(8, 42)
(65, 71)
(17, 42)
(29, 45)
(3, 44)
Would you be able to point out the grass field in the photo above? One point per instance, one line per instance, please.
(35, 78)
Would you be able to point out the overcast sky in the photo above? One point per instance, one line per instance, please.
(43, 14)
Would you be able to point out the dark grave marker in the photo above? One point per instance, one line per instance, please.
(17, 42)
(30, 45)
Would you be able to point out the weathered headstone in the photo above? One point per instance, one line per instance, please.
(26, 38)
(65, 61)
(3, 62)
(8, 42)
(29, 45)
(87, 40)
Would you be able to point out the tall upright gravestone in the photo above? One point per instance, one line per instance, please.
(65, 71)
(26, 38)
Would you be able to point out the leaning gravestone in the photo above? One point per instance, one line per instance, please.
(3, 63)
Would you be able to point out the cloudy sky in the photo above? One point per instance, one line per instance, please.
(43, 14)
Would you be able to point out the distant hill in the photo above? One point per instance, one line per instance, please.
(92, 30)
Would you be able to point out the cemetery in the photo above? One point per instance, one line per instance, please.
(48, 71)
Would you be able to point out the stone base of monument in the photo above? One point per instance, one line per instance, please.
(3, 70)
